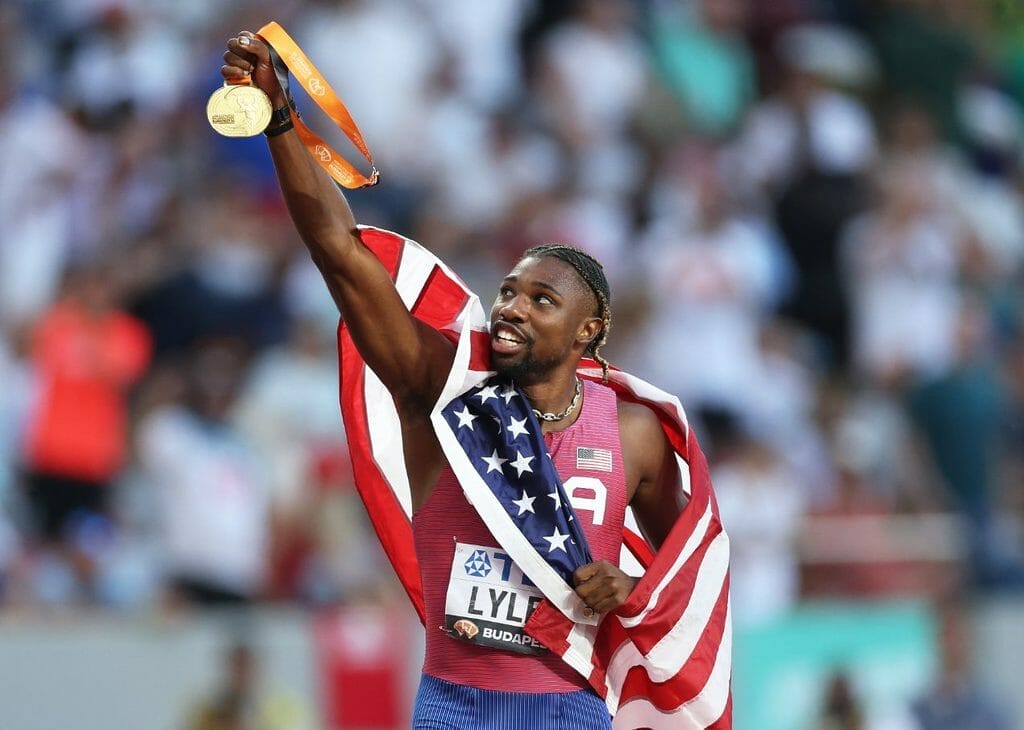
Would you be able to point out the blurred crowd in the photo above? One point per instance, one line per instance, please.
(811, 213)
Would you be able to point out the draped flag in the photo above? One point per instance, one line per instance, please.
(663, 659)
(494, 426)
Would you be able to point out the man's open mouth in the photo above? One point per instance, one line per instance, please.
(505, 340)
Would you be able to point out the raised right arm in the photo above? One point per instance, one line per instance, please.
(410, 358)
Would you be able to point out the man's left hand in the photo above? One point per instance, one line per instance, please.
(602, 586)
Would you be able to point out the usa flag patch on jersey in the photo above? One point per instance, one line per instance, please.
(594, 459)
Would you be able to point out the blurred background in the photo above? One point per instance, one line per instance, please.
(812, 216)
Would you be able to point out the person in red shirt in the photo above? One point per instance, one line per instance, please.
(86, 353)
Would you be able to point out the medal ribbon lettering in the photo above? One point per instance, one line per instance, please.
(323, 95)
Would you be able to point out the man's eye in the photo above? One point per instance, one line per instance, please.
(543, 299)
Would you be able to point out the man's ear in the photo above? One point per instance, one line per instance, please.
(590, 330)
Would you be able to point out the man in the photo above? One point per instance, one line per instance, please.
(551, 309)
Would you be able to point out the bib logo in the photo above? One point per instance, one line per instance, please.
(478, 565)
(323, 153)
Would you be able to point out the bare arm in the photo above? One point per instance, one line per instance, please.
(652, 472)
(410, 358)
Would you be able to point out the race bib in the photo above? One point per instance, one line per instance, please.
(489, 599)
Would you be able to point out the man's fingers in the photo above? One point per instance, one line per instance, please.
(585, 572)
(246, 53)
(250, 47)
(592, 591)
(602, 586)
(600, 600)
(232, 72)
(606, 605)
(233, 59)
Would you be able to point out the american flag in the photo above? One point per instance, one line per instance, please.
(663, 659)
(503, 449)
(594, 459)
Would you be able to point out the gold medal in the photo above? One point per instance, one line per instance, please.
(239, 110)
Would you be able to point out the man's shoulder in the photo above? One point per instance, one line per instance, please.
(634, 409)
(637, 420)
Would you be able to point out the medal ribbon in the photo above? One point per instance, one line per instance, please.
(323, 95)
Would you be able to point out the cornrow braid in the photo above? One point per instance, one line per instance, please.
(592, 272)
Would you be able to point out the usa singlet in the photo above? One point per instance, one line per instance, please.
(465, 573)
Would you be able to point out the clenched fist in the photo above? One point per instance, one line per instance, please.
(249, 55)
(602, 586)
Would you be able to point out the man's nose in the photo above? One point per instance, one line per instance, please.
(513, 309)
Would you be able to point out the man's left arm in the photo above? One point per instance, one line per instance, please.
(655, 494)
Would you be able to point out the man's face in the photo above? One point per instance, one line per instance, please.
(541, 308)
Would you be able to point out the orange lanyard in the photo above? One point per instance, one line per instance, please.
(321, 92)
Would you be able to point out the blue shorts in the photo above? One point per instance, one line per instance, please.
(442, 705)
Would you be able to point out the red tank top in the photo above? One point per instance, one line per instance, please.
(588, 457)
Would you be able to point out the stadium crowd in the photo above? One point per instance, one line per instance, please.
(811, 213)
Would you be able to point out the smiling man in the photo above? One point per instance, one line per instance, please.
(597, 451)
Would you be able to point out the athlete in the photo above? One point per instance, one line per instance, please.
(551, 310)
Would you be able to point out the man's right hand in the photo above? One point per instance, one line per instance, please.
(249, 55)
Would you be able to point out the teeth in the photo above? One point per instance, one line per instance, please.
(502, 334)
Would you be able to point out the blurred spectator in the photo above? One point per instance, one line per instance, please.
(490, 168)
(86, 353)
(902, 267)
(783, 404)
(760, 501)
(36, 181)
(321, 547)
(212, 486)
(988, 195)
(811, 123)
(923, 56)
(711, 280)
(593, 77)
(1007, 25)
(957, 700)
(1012, 440)
(481, 39)
(803, 154)
(960, 413)
(231, 284)
(109, 37)
(841, 710)
(705, 63)
(241, 701)
(287, 407)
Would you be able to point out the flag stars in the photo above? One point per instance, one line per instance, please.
(555, 496)
(525, 505)
(494, 462)
(465, 418)
(522, 463)
(557, 541)
(485, 394)
(508, 393)
(517, 427)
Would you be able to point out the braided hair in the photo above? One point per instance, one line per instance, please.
(592, 272)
